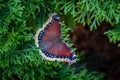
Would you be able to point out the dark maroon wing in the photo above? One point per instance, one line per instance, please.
(59, 51)
(50, 37)
(51, 31)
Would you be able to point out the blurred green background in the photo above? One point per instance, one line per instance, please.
(19, 20)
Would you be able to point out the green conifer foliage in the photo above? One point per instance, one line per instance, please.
(93, 13)
(19, 57)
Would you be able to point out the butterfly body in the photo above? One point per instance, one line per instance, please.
(54, 48)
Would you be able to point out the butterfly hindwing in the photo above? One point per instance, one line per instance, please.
(59, 51)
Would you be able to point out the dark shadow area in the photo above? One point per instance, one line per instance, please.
(100, 54)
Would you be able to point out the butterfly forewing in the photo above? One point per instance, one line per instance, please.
(52, 32)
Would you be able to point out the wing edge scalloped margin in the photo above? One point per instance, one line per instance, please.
(40, 29)
(56, 59)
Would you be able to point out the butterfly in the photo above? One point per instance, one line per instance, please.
(49, 38)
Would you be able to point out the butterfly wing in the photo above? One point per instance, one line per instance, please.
(49, 36)
(50, 31)
(58, 51)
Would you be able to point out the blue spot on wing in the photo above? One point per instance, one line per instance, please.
(55, 56)
(40, 36)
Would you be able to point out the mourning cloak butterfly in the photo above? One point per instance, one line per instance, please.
(49, 36)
